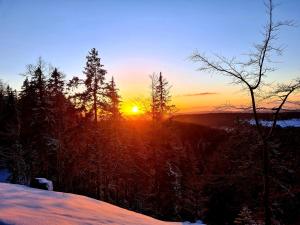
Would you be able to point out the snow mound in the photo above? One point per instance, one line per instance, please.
(48, 183)
(21, 205)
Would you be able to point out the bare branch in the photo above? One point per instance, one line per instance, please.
(283, 91)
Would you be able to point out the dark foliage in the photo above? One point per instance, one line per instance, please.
(163, 168)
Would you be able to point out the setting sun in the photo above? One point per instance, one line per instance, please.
(132, 109)
(135, 109)
(181, 110)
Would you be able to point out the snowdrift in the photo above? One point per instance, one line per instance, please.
(21, 205)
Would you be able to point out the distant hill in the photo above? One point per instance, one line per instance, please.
(227, 119)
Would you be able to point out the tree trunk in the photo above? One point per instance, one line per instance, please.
(266, 162)
(95, 107)
(266, 194)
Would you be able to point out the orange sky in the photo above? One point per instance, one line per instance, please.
(147, 37)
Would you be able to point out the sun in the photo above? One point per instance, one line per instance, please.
(135, 109)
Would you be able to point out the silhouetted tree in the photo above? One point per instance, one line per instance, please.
(1, 96)
(11, 152)
(92, 98)
(37, 133)
(160, 97)
(58, 106)
(56, 83)
(250, 74)
(113, 104)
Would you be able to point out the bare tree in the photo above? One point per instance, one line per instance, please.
(250, 74)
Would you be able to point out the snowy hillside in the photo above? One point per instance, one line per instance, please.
(21, 205)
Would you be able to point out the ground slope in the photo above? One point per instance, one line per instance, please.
(21, 205)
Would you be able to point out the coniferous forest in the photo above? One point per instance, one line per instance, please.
(169, 166)
(77, 137)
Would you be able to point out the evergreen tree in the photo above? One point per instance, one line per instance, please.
(58, 106)
(38, 81)
(26, 105)
(37, 123)
(113, 105)
(11, 153)
(56, 83)
(154, 97)
(1, 97)
(92, 98)
(93, 101)
(160, 97)
(57, 100)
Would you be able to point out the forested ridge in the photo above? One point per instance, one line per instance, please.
(73, 133)
(220, 168)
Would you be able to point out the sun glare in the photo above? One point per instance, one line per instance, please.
(135, 109)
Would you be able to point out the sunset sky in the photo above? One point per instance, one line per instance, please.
(138, 37)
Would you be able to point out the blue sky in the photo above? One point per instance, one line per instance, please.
(138, 37)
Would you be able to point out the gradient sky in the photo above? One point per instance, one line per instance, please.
(138, 37)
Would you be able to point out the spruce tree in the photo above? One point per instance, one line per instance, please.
(58, 106)
(1, 96)
(92, 99)
(113, 105)
(56, 83)
(160, 97)
(57, 100)
(37, 123)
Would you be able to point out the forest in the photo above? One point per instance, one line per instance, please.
(161, 167)
(222, 171)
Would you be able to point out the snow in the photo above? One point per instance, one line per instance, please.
(48, 183)
(21, 205)
(281, 123)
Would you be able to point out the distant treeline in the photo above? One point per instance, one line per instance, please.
(229, 119)
(73, 133)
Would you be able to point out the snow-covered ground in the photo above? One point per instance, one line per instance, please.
(281, 123)
(21, 205)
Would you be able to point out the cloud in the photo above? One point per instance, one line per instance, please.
(198, 94)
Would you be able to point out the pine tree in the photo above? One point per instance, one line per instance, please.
(113, 105)
(1, 97)
(38, 81)
(12, 112)
(58, 107)
(37, 123)
(56, 83)
(57, 100)
(93, 101)
(11, 153)
(154, 97)
(163, 93)
(92, 98)
(160, 97)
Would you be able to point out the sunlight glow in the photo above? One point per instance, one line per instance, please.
(135, 109)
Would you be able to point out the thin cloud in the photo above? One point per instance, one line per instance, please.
(198, 94)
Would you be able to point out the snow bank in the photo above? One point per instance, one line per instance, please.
(21, 205)
(47, 183)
